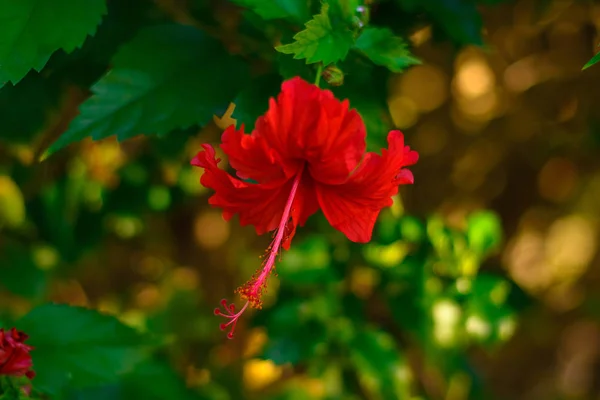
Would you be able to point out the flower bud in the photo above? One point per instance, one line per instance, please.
(333, 75)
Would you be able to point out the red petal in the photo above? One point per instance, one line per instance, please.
(311, 124)
(353, 207)
(260, 204)
(252, 158)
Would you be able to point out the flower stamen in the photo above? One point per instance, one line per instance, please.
(229, 313)
(253, 289)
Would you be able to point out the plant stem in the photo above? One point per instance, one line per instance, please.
(319, 72)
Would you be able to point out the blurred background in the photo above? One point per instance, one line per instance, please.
(481, 282)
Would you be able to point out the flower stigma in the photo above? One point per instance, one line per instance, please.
(252, 290)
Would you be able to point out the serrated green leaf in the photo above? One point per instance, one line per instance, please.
(78, 347)
(321, 41)
(593, 61)
(144, 93)
(31, 30)
(385, 49)
(275, 9)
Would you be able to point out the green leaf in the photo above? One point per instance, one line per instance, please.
(144, 93)
(366, 88)
(31, 30)
(382, 370)
(253, 101)
(151, 380)
(24, 108)
(484, 232)
(275, 9)
(155, 380)
(78, 347)
(460, 19)
(385, 49)
(321, 41)
(593, 61)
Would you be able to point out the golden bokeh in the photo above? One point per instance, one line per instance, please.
(260, 373)
(210, 229)
(557, 179)
(425, 85)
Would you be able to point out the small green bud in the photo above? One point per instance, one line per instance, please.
(333, 75)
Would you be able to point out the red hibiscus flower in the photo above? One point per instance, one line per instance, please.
(14, 354)
(306, 153)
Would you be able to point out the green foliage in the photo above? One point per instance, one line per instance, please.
(323, 40)
(274, 9)
(32, 30)
(381, 367)
(24, 107)
(77, 347)
(383, 48)
(143, 93)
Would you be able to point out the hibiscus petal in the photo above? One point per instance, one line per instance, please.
(252, 158)
(309, 123)
(353, 207)
(260, 205)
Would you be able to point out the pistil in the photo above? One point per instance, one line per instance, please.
(253, 289)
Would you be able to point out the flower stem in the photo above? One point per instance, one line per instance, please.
(319, 72)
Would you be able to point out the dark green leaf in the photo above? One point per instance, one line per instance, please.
(289, 67)
(155, 381)
(274, 9)
(321, 41)
(385, 49)
(253, 101)
(144, 93)
(31, 30)
(24, 107)
(459, 19)
(365, 87)
(151, 380)
(78, 347)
